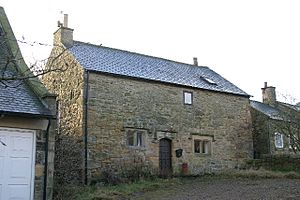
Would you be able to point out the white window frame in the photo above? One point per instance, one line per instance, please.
(187, 98)
(278, 140)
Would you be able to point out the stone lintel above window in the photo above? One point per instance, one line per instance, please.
(203, 135)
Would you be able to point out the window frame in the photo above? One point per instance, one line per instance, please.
(138, 138)
(276, 139)
(205, 145)
(185, 102)
(292, 140)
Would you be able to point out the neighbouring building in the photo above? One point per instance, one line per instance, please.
(276, 125)
(119, 109)
(27, 125)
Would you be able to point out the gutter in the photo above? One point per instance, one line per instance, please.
(86, 128)
(30, 115)
(46, 161)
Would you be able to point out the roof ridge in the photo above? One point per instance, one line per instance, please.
(141, 54)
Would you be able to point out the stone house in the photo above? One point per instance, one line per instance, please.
(118, 108)
(27, 125)
(276, 126)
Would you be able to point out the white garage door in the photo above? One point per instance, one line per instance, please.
(17, 156)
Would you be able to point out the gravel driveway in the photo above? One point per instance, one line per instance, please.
(228, 189)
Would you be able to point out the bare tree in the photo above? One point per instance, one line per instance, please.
(12, 70)
(289, 122)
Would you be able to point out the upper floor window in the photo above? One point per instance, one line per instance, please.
(278, 140)
(135, 137)
(188, 98)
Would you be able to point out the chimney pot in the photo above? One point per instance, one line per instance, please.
(66, 20)
(266, 84)
(195, 61)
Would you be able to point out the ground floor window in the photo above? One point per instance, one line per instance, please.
(293, 141)
(135, 137)
(202, 145)
(278, 140)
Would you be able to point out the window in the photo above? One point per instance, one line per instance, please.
(209, 80)
(202, 145)
(1, 31)
(188, 97)
(135, 137)
(292, 142)
(278, 140)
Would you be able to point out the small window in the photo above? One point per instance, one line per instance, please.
(72, 95)
(278, 140)
(202, 146)
(1, 31)
(292, 142)
(135, 138)
(209, 80)
(188, 97)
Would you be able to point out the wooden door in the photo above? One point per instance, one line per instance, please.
(165, 157)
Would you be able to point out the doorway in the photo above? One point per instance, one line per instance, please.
(165, 157)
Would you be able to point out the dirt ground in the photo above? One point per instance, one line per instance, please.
(228, 189)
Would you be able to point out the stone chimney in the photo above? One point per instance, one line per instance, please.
(195, 61)
(63, 35)
(269, 95)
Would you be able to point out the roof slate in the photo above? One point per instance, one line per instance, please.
(270, 111)
(18, 98)
(125, 63)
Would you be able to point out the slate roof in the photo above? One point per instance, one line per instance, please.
(19, 99)
(125, 63)
(270, 111)
(16, 97)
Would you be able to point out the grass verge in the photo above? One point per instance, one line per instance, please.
(121, 191)
(125, 191)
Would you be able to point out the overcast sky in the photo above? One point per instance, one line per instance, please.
(247, 42)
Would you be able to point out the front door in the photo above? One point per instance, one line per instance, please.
(165, 157)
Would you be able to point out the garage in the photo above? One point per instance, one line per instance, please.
(17, 147)
(27, 125)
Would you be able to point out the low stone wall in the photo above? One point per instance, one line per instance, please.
(277, 163)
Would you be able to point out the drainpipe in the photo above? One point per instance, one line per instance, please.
(86, 129)
(269, 136)
(46, 161)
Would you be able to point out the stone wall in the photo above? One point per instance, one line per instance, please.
(117, 104)
(261, 137)
(67, 83)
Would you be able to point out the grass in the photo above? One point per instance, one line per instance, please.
(261, 173)
(124, 191)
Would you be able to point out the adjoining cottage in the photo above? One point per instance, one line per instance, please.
(27, 125)
(276, 125)
(119, 109)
